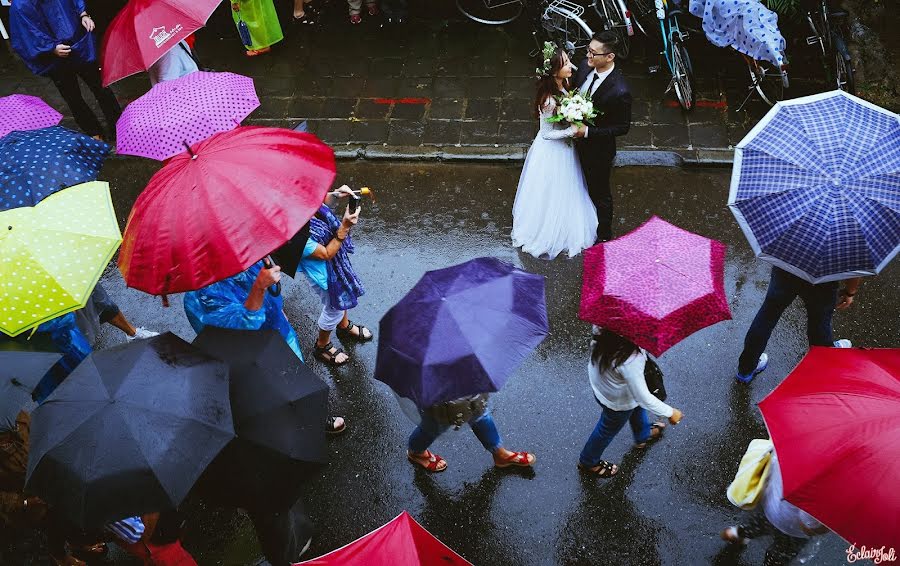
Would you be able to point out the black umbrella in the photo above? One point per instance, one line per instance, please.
(129, 431)
(20, 372)
(279, 407)
(276, 400)
(288, 256)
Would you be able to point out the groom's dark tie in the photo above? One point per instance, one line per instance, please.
(591, 86)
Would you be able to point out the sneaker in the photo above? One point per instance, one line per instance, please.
(141, 333)
(373, 9)
(763, 363)
(843, 343)
(355, 19)
(730, 534)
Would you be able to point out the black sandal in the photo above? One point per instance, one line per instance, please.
(661, 427)
(327, 354)
(347, 334)
(606, 470)
(330, 428)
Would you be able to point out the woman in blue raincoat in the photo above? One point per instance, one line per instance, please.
(242, 302)
(60, 335)
(55, 39)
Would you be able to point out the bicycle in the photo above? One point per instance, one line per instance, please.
(675, 54)
(616, 18)
(767, 80)
(826, 27)
(559, 21)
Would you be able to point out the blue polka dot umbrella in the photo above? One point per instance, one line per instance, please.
(816, 187)
(37, 163)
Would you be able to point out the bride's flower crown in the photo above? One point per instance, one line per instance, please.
(547, 53)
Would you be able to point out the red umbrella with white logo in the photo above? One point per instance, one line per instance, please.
(144, 30)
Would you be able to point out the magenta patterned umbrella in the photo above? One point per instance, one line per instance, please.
(656, 285)
(185, 110)
(24, 112)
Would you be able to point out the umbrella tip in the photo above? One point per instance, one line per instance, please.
(189, 150)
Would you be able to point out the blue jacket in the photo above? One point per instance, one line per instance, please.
(222, 304)
(38, 26)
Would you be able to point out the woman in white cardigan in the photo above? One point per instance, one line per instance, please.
(616, 373)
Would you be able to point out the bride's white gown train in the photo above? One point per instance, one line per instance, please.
(552, 212)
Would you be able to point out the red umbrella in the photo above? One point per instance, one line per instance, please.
(213, 213)
(835, 422)
(144, 30)
(656, 285)
(403, 541)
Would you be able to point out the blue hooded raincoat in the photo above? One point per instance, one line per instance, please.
(38, 26)
(222, 304)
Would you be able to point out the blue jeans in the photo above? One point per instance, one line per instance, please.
(609, 425)
(784, 287)
(429, 429)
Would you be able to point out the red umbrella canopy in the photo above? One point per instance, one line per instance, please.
(144, 30)
(835, 422)
(212, 213)
(656, 285)
(403, 541)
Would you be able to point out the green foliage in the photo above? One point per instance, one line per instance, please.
(788, 8)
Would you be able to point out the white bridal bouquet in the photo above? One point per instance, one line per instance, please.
(574, 108)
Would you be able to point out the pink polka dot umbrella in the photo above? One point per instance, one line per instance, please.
(656, 285)
(24, 112)
(186, 110)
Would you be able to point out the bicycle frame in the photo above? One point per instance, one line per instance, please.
(668, 26)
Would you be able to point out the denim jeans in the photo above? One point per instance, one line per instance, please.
(784, 287)
(429, 429)
(610, 423)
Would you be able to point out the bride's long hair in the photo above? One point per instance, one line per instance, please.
(546, 83)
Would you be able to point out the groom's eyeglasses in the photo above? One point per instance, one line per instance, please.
(592, 53)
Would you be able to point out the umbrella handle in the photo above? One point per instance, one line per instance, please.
(274, 290)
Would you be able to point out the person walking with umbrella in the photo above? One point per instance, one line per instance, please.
(790, 527)
(820, 301)
(243, 302)
(616, 373)
(55, 39)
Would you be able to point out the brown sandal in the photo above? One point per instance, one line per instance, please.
(328, 354)
(431, 465)
(659, 428)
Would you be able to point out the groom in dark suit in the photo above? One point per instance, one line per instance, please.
(600, 78)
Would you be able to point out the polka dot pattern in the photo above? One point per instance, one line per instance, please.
(189, 109)
(52, 254)
(746, 25)
(37, 163)
(24, 112)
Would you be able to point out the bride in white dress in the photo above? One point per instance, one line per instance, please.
(553, 212)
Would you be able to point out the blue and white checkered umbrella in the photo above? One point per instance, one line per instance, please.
(816, 187)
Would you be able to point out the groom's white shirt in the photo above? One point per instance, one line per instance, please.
(600, 78)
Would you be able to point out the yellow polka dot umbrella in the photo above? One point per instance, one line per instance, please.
(53, 253)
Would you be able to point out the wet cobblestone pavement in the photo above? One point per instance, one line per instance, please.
(442, 86)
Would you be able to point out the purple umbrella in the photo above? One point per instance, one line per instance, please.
(461, 331)
(24, 112)
(185, 110)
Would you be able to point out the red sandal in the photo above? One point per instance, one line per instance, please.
(520, 459)
(433, 461)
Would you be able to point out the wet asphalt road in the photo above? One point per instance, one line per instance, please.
(666, 506)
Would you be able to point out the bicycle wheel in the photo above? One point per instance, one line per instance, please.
(770, 82)
(643, 16)
(843, 66)
(614, 21)
(683, 75)
(565, 28)
(490, 12)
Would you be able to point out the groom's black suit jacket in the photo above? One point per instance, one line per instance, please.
(613, 99)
